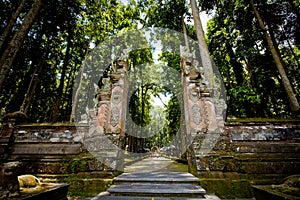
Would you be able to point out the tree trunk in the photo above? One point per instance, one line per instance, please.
(198, 27)
(204, 53)
(15, 44)
(72, 116)
(276, 56)
(30, 93)
(60, 89)
(185, 34)
(11, 23)
(236, 66)
(69, 90)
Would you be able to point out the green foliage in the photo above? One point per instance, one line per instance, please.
(173, 117)
(244, 100)
(235, 41)
(165, 14)
(171, 60)
(239, 50)
(36, 75)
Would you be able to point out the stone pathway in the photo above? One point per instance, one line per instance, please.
(155, 178)
(151, 164)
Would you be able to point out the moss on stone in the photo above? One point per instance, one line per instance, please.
(290, 187)
(86, 187)
(227, 189)
(263, 120)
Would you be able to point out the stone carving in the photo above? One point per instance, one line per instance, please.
(102, 115)
(196, 114)
(210, 113)
(115, 114)
(106, 84)
(193, 71)
(193, 95)
(116, 97)
(185, 53)
(190, 66)
(119, 66)
(43, 135)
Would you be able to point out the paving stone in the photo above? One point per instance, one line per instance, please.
(143, 189)
(153, 184)
(207, 197)
(166, 177)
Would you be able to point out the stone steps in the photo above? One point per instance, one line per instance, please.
(156, 185)
(157, 177)
(206, 197)
(4, 147)
(155, 189)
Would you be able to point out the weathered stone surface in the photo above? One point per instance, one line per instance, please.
(36, 133)
(261, 161)
(159, 184)
(102, 114)
(227, 188)
(266, 147)
(263, 132)
(290, 189)
(154, 189)
(118, 101)
(46, 149)
(249, 154)
(9, 185)
(157, 177)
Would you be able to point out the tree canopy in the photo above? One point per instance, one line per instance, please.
(43, 44)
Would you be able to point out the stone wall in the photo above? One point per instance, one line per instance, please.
(250, 154)
(246, 154)
(54, 153)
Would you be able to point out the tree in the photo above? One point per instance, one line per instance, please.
(31, 88)
(60, 88)
(277, 59)
(11, 51)
(11, 24)
(240, 51)
(200, 35)
(75, 99)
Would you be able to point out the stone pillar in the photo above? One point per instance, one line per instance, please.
(119, 97)
(203, 105)
(107, 131)
(103, 107)
(192, 104)
(118, 107)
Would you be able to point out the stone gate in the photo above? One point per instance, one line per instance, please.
(203, 109)
(243, 153)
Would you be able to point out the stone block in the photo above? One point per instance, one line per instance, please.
(46, 149)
